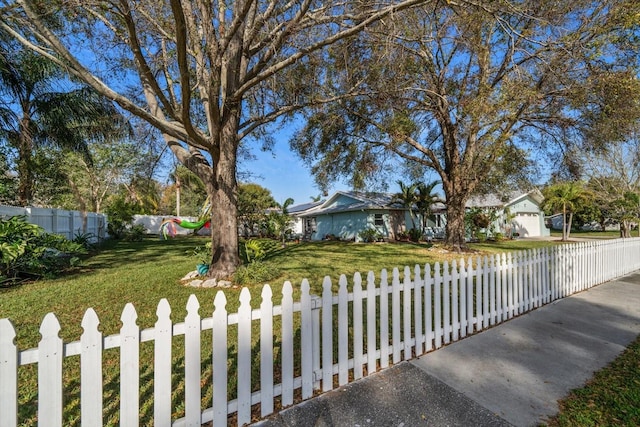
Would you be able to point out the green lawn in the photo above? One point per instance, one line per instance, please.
(144, 272)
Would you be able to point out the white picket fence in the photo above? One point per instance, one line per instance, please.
(59, 221)
(323, 340)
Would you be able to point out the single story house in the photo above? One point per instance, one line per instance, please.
(345, 214)
(517, 213)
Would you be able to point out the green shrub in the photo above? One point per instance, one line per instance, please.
(120, 217)
(27, 251)
(415, 234)
(135, 234)
(255, 272)
(252, 250)
(369, 235)
(87, 240)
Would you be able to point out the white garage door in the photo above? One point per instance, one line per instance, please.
(528, 224)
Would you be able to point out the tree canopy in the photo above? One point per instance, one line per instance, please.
(475, 92)
(207, 75)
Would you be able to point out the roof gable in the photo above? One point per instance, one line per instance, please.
(345, 201)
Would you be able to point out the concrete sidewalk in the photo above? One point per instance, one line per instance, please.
(512, 374)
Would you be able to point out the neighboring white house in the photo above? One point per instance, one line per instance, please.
(525, 213)
(300, 223)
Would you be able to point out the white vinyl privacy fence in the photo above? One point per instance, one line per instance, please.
(59, 221)
(270, 356)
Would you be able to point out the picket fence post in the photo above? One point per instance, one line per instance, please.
(384, 319)
(327, 335)
(343, 331)
(220, 356)
(306, 344)
(91, 370)
(192, 360)
(428, 310)
(462, 300)
(437, 306)
(266, 352)
(162, 365)
(371, 323)
(395, 315)
(244, 366)
(129, 367)
(287, 345)
(417, 310)
(8, 375)
(406, 297)
(358, 359)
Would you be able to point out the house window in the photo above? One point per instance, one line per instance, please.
(377, 220)
(310, 225)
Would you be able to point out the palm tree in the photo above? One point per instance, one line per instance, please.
(565, 197)
(35, 112)
(282, 220)
(425, 199)
(408, 198)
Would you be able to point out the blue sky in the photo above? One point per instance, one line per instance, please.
(283, 173)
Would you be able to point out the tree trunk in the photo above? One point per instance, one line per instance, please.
(25, 164)
(569, 225)
(223, 190)
(455, 229)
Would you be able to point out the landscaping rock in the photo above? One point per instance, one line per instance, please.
(190, 276)
(224, 284)
(209, 283)
(195, 283)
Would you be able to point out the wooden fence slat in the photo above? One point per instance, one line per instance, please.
(462, 299)
(395, 315)
(219, 359)
(287, 345)
(446, 301)
(471, 275)
(244, 367)
(266, 352)
(417, 310)
(162, 365)
(358, 349)
(371, 323)
(306, 340)
(406, 297)
(91, 371)
(428, 308)
(486, 310)
(384, 319)
(437, 306)
(50, 355)
(129, 367)
(8, 375)
(455, 301)
(192, 360)
(327, 335)
(343, 332)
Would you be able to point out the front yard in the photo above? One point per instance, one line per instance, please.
(144, 272)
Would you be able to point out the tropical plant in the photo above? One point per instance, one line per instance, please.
(120, 217)
(369, 235)
(27, 251)
(281, 221)
(408, 198)
(426, 197)
(565, 198)
(35, 112)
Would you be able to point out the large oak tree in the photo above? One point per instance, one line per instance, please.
(471, 90)
(208, 74)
